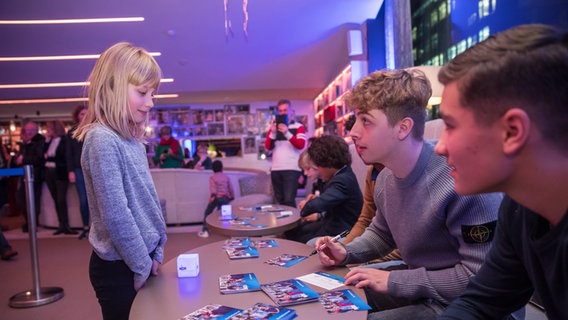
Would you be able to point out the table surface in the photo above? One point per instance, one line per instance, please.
(168, 297)
(254, 222)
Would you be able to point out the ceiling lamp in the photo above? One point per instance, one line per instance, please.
(228, 28)
(58, 84)
(59, 100)
(73, 21)
(64, 57)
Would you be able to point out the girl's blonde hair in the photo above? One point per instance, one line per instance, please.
(120, 65)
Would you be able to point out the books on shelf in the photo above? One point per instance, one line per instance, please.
(237, 283)
(212, 311)
(289, 292)
(285, 260)
(340, 301)
(242, 253)
(263, 311)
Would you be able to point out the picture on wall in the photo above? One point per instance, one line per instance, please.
(252, 128)
(229, 109)
(197, 117)
(153, 117)
(163, 117)
(263, 120)
(198, 131)
(242, 108)
(249, 144)
(180, 117)
(216, 129)
(180, 132)
(219, 115)
(237, 108)
(235, 124)
(209, 116)
(303, 119)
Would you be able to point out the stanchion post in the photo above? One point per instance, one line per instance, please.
(38, 296)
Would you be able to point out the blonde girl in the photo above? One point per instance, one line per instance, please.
(128, 231)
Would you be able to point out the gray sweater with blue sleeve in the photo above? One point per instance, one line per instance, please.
(126, 218)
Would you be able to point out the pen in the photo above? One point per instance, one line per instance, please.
(334, 239)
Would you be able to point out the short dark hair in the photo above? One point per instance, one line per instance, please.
(330, 151)
(283, 101)
(523, 67)
(217, 166)
(165, 130)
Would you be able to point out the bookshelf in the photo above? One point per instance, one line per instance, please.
(329, 108)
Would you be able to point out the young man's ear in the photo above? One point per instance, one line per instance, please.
(516, 127)
(405, 127)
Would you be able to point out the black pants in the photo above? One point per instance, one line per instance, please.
(21, 198)
(113, 282)
(58, 189)
(285, 186)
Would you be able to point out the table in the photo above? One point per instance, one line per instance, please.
(271, 221)
(168, 297)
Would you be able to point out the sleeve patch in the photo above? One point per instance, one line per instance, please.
(481, 233)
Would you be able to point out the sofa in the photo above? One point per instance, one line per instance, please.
(183, 193)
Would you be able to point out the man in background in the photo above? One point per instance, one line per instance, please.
(286, 140)
(31, 153)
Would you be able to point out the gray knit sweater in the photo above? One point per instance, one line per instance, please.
(126, 218)
(436, 230)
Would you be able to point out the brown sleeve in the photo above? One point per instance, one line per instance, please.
(367, 212)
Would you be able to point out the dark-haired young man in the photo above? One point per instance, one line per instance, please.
(505, 106)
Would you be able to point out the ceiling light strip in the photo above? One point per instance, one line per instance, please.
(65, 57)
(74, 21)
(58, 84)
(59, 100)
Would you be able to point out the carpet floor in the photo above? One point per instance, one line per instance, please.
(63, 262)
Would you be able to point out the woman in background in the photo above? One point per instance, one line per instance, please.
(75, 173)
(55, 150)
(128, 231)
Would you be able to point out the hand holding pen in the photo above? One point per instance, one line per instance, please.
(334, 239)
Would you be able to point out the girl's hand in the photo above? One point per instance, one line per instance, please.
(155, 267)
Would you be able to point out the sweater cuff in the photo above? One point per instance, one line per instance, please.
(288, 135)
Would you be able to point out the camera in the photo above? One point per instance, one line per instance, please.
(282, 118)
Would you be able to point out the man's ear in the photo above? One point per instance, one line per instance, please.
(516, 126)
(405, 127)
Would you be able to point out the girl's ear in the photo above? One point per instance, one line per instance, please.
(516, 126)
